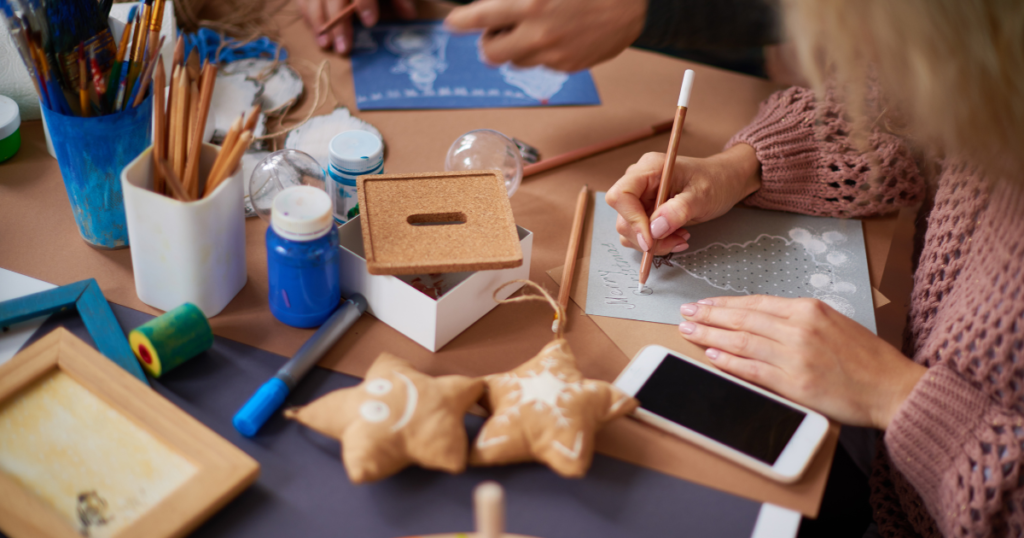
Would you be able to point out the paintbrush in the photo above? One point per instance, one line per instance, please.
(83, 83)
(666, 172)
(337, 19)
(114, 80)
(138, 47)
(156, 20)
(147, 76)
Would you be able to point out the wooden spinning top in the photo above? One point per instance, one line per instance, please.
(489, 508)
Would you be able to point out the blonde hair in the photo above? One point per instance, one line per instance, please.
(954, 69)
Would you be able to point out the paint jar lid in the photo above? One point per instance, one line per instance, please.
(356, 152)
(10, 122)
(10, 119)
(302, 213)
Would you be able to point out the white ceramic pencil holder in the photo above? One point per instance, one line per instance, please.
(185, 251)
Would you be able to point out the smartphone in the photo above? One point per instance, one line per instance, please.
(722, 413)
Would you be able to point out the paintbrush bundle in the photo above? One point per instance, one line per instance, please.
(73, 59)
(179, 123)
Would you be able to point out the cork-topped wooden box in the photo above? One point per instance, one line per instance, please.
(440, 222)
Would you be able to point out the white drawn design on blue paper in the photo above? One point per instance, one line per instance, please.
(420, 51)
(538, 82)
(422, 66)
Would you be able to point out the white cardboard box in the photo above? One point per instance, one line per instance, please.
(431, 323)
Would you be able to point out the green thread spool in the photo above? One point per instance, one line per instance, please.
(164, 343)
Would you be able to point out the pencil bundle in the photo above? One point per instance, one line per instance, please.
(70, 53)
(178, 125)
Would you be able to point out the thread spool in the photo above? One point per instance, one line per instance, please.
(168, 341)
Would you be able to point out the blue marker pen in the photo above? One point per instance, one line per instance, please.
(269, 397)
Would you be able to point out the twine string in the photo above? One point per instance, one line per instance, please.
(544, 296)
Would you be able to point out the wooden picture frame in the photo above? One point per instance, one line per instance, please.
(86, 296)
(218, 470)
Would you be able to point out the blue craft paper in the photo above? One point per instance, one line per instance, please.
(422, 66)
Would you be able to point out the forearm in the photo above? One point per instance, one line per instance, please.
(809, 164)
(701, 24)
(960, 449)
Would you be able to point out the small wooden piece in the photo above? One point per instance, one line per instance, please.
(439, 222)
(489, 509)
(219, 470)
(96, 314)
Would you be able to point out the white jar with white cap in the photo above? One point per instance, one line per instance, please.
(352, 154)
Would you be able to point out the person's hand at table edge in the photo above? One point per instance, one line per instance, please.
(568, 35)
(806, 351)
(700, 190)
(319, 12)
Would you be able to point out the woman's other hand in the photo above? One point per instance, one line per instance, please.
(700, 190)
(804, 350)
(568, 35)
(319, 12)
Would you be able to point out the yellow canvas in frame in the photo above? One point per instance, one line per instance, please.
(87, 450)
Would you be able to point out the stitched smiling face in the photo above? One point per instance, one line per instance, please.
(390, 402)
(395, 417)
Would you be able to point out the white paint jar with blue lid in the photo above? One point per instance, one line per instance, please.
(352, 154)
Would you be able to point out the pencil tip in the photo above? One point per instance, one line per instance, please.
(639, 287)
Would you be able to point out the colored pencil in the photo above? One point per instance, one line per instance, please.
(570, 258)
(253, 117)
(172, 180)
(159, 123)
(594, 149)
(202, 112)
(180, 121)
(337, 19)
(231, 163)
(666, 172)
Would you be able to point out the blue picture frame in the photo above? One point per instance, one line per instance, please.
(99, 319)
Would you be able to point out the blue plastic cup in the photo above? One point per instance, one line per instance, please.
(91, 153)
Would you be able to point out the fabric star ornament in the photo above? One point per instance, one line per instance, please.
(545, 410)
(396, 417)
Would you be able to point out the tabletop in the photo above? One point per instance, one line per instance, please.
(637, 89)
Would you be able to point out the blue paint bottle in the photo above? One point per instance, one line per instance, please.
(303, 258)
(353, 154)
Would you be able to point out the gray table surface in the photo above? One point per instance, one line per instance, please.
(303, 490)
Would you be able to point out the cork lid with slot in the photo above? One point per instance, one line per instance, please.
(441, 222)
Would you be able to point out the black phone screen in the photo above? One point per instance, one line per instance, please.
(720, 409)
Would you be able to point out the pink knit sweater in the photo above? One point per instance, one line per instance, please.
(951, 459)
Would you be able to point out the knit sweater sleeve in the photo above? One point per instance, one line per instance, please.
(810, 165)
(962, 451)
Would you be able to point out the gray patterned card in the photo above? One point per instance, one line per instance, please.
(744, 252)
